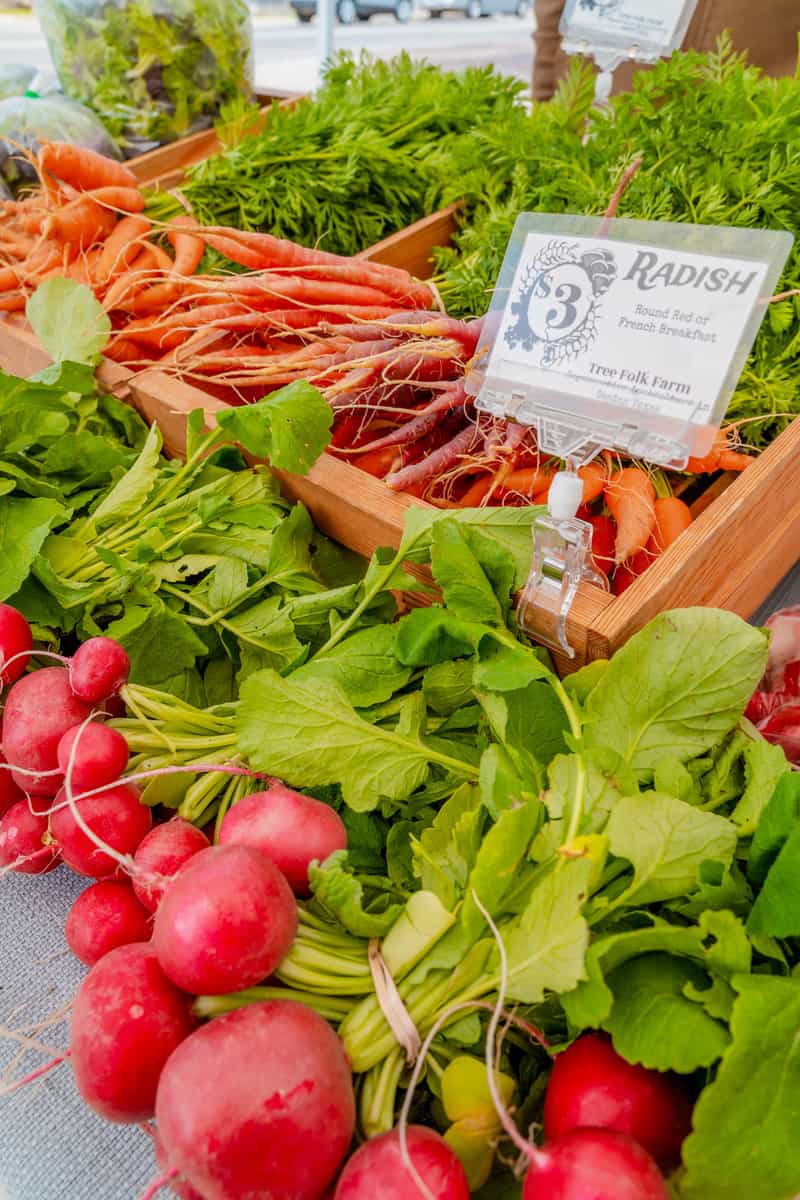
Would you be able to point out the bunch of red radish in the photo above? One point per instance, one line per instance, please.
(775, 707)
(190, 918)
(259, 1102)
(47, 730)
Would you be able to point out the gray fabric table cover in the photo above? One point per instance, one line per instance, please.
(51, 1146)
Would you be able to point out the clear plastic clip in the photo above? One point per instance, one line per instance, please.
(562, 559)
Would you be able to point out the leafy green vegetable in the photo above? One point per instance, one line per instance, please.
(652, 1020)
(69, 322)
(291, 428)
(764, 766)
(24, 525)
(369, 153)
(744, 1139)
(342, 894)
(666, 841)
(363, 666)
(717, 143)
(776, 911)
(310, 735)
(547, 943)
(777, 822)
(654, 700)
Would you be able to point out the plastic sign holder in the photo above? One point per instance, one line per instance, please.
(615, 31)
(621, 335)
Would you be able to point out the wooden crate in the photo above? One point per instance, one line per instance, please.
(744, 539)
(165, 167)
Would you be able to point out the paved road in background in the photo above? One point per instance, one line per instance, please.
(286, 51)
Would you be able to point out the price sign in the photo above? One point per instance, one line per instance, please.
(613, 30)
(624, 334)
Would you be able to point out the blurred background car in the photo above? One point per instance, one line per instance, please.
(479, 8)
(349, 11)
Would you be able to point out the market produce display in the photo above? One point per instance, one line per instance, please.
(152, 70)
(605, 855)
(365, 334)
(378, 906)
(374, 899)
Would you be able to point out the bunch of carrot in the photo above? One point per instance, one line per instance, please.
(635, 525)
(86, 221)
(369, 336)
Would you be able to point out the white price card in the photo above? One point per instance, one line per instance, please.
(624, 334)
(613, 30)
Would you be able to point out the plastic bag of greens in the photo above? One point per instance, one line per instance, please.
(15, 80)
(26, 121)
(153, 70)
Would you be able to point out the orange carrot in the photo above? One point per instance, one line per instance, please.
(126, 199)
(83, 169)
(476, 492)
(595, 477)
(672, 517)
(9, 278)
(734, 460)
(121, 246)
(127, 287)
(378, 462)
(12, 302)
(189, 249)
(79, 225)
(32, 221)
(528, 481)
(262, 251)
(630, 495)
(721, 456)
(122, 351)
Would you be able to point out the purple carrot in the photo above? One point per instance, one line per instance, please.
(364, 331)
(421, 425)
(435, 463)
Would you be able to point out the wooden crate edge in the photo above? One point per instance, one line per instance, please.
(760, 509)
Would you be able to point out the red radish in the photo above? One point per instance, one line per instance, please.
(113, 706)
(9, 792)
(117, 818)
(21, 845)
(40, 708)
(377, 1171)
(127, 1018)
(592, 1085)
(100, 757)
(258, 1103)
(291, 829)
(784, 647)
(593, 1164)
(98, 669)
(782, 728)
(177, 1185)
(15, 639)
(225, 922)
(103, 917)
(163, 851)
